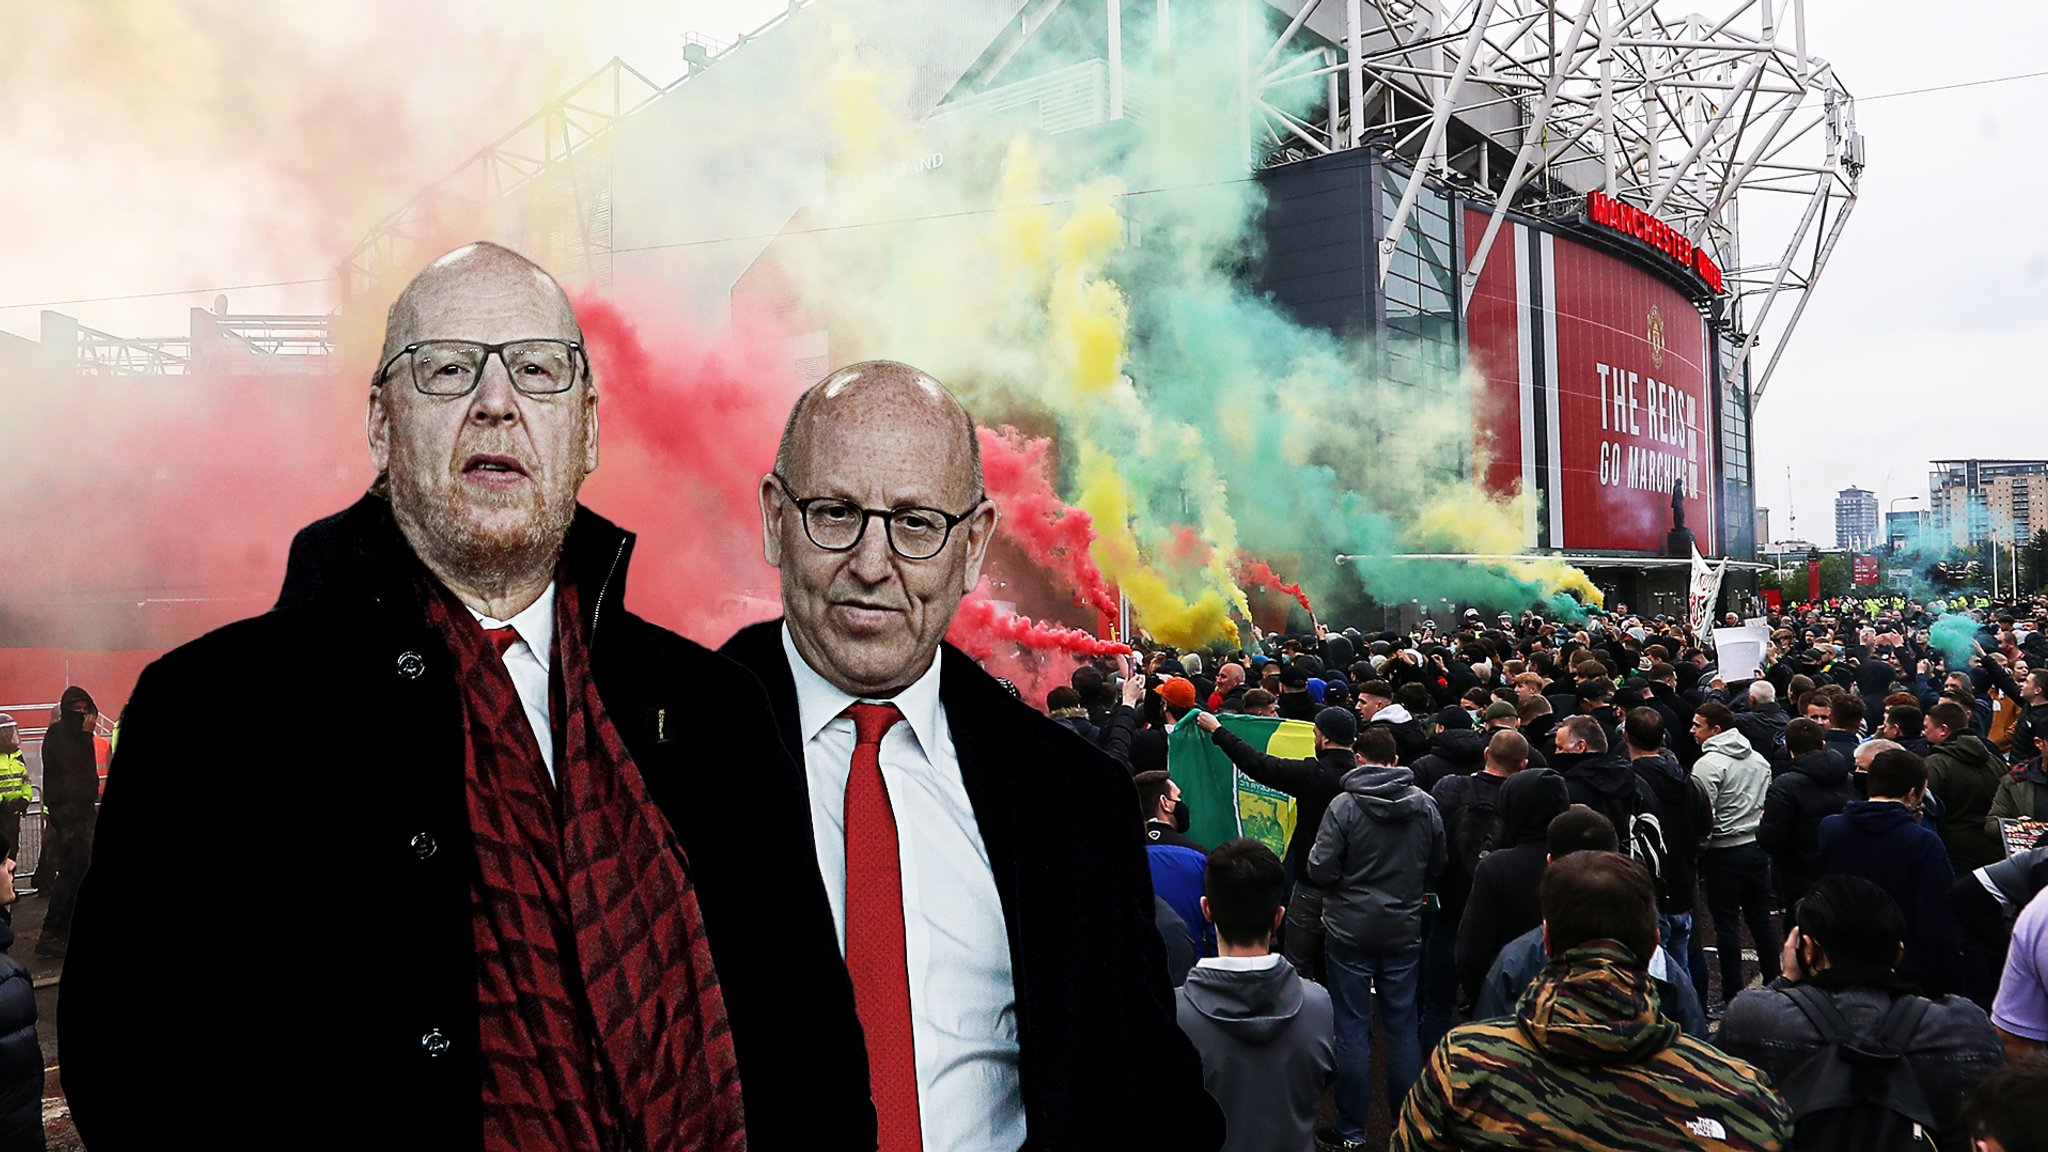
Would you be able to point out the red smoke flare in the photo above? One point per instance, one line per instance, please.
(1053, 534)
(1257, 572)
(980, 626)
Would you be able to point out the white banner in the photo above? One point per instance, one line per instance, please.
(1701, 592)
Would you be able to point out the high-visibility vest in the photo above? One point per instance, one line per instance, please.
(13, 777)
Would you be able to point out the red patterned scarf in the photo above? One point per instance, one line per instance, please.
(602, 1024)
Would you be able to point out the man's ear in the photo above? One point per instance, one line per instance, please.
(377, 427)
(590, 428)
(1205, 911)
(981, 529)
(774, 506)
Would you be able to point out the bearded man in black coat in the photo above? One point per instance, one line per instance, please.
(490, 895)
(986, 865)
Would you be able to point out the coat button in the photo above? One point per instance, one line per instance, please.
(423, 845)
(411, 665)
(434, 1043)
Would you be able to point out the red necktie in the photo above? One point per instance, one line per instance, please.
(502, 638)
(874, 933)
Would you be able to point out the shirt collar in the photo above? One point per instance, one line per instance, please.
(535, 625)
(1240, 963)
(819, 702)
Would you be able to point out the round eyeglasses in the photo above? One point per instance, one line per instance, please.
(837, 524)
(453, 367)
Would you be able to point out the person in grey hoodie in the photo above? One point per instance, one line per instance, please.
(1735, 870)
(1380, 846)
(1267, 1037)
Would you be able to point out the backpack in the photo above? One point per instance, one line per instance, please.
(1476, 829)
(1641, 833)
(1858, 1091)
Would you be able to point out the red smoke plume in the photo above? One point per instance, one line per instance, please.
(980, 626)
(1053, 534)
(1185, 549)
(689, 422)
(1257, 572)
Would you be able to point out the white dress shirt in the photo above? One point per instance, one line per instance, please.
(529, 661)
(963, 999)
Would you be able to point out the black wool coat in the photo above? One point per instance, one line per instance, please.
(345, 1015)
(1102, 1062)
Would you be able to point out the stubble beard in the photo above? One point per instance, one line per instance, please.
(444, 527)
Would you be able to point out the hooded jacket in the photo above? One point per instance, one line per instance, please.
(1503, 902)
(1588, 1032)
(1815, 786)
(1409, 743)
(71, 774)
(1965, 773)
(1268, 1044)
(1880, 841)
(1607, 783)
(1454, 752)
(1380, 845)
(1736, 777)
(2022, 794)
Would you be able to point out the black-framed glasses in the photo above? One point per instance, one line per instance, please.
(837, 524)
(453, 367)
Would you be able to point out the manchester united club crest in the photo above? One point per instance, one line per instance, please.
(1656, 338)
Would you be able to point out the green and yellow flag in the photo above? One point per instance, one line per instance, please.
(1225, 803)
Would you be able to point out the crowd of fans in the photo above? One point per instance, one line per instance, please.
(1507, 830)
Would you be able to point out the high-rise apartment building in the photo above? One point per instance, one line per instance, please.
(1970, 501)
(1855, 519)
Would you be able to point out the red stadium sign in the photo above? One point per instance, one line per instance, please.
(1864, 570)
(1596, 399)
(1633, 222)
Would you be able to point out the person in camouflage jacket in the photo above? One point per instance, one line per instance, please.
(1588, 1063)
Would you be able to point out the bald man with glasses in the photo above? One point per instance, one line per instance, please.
(985, 865)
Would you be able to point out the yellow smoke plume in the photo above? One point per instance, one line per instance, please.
(1169, 618)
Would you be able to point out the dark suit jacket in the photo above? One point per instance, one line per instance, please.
(1103, 1063)
(335, 854)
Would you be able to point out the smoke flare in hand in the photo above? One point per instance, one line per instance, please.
(1260, 573)
(980, 625)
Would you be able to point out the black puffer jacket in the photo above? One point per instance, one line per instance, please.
(1814, 787)
(1454, 752)
(21, 1057)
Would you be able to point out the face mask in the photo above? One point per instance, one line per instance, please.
(1180, 816)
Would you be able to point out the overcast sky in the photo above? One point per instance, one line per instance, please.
(1924, 338)
(141, 139)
